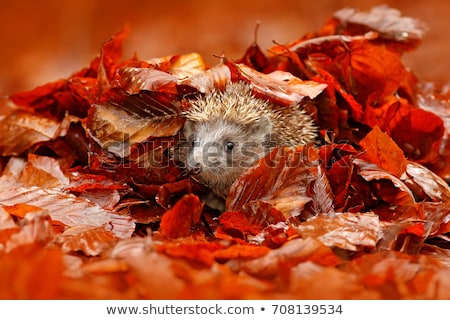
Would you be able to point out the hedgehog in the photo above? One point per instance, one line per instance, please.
(226, 131)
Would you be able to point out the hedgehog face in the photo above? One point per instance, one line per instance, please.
(218, 151)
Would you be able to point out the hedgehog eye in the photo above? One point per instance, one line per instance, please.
(195, 143)
(229, 146)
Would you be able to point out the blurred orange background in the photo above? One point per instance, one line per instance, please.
(49, 39)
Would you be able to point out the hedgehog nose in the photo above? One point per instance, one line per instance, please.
(196, 168)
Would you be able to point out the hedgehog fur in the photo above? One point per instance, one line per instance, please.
(226, 131)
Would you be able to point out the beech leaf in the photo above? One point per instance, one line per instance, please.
(387, 21)
(281, 178)
(178, 221)
(347, 231)
(384, 152)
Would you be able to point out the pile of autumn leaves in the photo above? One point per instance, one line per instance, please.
(90, 197)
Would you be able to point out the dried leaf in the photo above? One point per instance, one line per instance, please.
(40, 278)
(62, 207)
(178, 221)
(384, 152)
(201, 253)
(244, 252)
(280, 87)
(43, 172)
(116, 129)
(322, 195)
(134, 80)
(187, 65)
(216, 77)
(35, 229)
(92, 241)
(20, 130)
(388, 22)
(423, 181)
(290, 254)
(281, 179)
(251, 221)
(347, 231)
(401, 195)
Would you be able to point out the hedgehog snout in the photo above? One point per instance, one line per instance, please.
(195, 168)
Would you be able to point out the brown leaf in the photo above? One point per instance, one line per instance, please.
(20, 130)
(216, 77)
(388, 22)
(290, 254)
(43, 172)
(35, 229)
(244, 252)
(384, 152)
(424, 182)
(322, 195)
(280, 87)
(282, 179)
(118, 125)
(31, 272)
(134, 80)
(62, 207)
(92, 241)
(251, 221)
(178, 221)
(186, 65)
(198, 253)
(436, 98)
(348, 231)
(396, 192)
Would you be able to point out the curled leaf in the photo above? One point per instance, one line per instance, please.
(281, 179)
(384, 152)
(385, 20)
(178, 221)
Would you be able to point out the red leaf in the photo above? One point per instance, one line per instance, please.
(250, 222)
(384, 152)
(216, 77)
(290, 254)
(281, 179)
(92, 241)
(254, 58)
(243, 252)
(200, 253)
(347, 231)
(178, 221)
(280, 87)
(134, 80)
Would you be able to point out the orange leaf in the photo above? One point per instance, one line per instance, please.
(281, 178)
(31, 272)
(241, 252)
(178, 221)
(345, 230)
(384, 152)
(200, 252)
(21, 209)
(93, 241)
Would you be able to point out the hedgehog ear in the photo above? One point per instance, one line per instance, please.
(262, 126)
